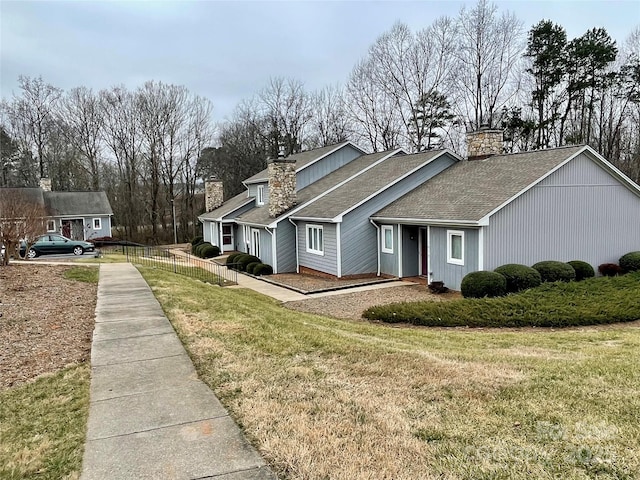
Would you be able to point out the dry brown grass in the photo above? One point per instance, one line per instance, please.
(323, 398)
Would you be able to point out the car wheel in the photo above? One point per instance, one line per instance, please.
(32, 253)
(78, 250)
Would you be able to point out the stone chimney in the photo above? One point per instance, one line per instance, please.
(45, 184)
(282, 186)
(213, 193)
(484, 143)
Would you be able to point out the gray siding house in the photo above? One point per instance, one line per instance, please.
(76, 215)
(338, 212)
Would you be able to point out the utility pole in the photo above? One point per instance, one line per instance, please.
(173, 215)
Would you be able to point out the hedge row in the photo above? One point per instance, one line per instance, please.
(204, 249)
(248, 263)
(559, 304)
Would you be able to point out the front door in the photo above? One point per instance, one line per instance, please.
(255, 242)
(227, 237)
(424, 253)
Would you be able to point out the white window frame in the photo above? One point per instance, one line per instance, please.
(99, 223)
(260, 195)
(49, 223)
(255, 242)
(450, 258)
(313, 239)
(386, 248)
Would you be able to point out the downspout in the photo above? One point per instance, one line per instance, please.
(428, 254)
(378, 242)
(274, 256)
(295, 226)
(400, 272)
(339, 250)
(481, 248)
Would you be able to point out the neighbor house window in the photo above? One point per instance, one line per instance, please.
(51, 225)
(260, 195)
(315, 242)
(387, 239)
(455, 247)
(97, 224)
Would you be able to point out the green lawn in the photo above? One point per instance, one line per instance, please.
(42, 426)
(324, 398)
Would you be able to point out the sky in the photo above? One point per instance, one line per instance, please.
(226, 51)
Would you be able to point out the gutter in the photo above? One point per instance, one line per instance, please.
(378, 242)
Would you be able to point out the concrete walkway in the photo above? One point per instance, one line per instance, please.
(150, 417)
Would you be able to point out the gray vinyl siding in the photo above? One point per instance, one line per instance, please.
(359, 243)
(323, 167)
(210, 233)
(324, 263)
(253, 192)
(448, 273)
(266, 252)
(241, 244)
(286, 247)
(410, 258)
(389, 261)
(89, 232)
(580, 212)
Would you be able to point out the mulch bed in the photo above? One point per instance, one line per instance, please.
(46, 324)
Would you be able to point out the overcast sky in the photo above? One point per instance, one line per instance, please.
(227, 51)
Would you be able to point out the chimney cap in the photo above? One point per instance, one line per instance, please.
(281, 160)
(213, 178)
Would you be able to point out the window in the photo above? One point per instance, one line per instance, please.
(315, 243)
(387, 239)
(255, 242)
(51, 225)
(97, 224)
(455, 247)
(260, 195)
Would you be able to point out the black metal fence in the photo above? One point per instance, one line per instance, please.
(179, 262)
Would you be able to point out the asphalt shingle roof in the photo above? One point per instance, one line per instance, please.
(260, 215)
(361, 187)
(77, 203)
(471, 189)
(301, 159)
(228, 207)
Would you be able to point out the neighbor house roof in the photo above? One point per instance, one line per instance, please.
(260, 215)
(302, 159)
(77, 203)
(231, 205)
(357, 190)
(65, 204)
(470, 190)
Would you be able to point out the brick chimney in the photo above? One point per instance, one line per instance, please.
(213, 193)
(45, 184)
(282, 186)
(484, 143)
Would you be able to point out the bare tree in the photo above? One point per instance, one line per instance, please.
(489, 50)
(21, 218)
(329, 123)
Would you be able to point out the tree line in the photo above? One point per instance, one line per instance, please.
(150, 148)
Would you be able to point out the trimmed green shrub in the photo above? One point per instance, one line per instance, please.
(195, 245)
(483, 284)
(251, 266)
(200, 249)
(583, 269)
(553, 271)
(236, 261)
(519, 277)
(262, 269)
(232, 258)
(590, 302)
(209, 251)
(630, 262)
(246, 260)
(197, 240)
(610, 270)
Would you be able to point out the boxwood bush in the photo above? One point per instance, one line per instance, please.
(251, 266)
(197, 240)
(209, 251)
(262, 269)
(610, 269)
(196, 244)
(630, 262)
(553, 271)
(583, 269)
(232, 258)
(519, 277)
(593, 301)
(483, 284)
(200, 249)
